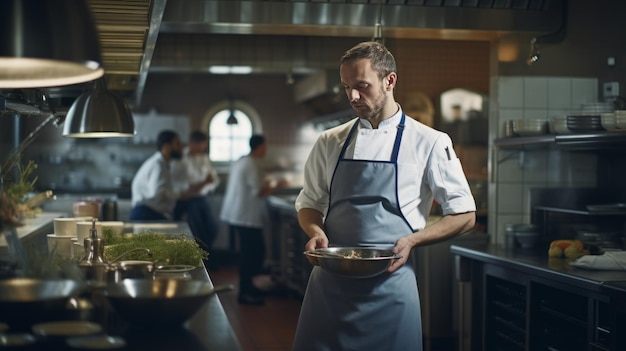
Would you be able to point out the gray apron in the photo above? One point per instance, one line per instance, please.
(379, 313)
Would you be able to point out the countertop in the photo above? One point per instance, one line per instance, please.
(208, 329)
(539, 264)
(33, 225)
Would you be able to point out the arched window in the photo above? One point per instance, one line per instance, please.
(230, 127)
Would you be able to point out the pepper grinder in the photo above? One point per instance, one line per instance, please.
(93, 265)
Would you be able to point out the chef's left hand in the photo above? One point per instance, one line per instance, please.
(403, 248)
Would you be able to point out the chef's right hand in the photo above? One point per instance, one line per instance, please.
(317, 242)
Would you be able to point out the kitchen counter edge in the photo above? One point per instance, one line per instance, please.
(539, 264)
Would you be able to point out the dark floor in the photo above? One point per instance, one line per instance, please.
(269, 327)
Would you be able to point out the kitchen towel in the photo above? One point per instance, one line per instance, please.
(610, 260)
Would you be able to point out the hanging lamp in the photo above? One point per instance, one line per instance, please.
(46, 43)
(232, 120)
(99, 114)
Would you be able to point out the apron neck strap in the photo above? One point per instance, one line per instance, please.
(396, 144)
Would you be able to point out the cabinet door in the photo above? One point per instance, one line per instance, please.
(505, 310)
(568, 318)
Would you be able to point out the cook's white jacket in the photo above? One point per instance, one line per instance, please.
(428, 167)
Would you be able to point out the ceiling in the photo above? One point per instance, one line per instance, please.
(139, 37)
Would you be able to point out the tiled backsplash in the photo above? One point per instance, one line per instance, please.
(515, 172)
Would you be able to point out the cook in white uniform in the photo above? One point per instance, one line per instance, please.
(243, 209)
(371, 182)
(152, 193)
(196, 167)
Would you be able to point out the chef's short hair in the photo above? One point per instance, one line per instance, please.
(380, 57)
(256, 141)
(198, 137)
(165, 137)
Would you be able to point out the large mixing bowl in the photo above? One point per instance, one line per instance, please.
(25, 301)
(160, 302)
(354, 262)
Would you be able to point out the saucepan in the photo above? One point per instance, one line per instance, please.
(160, 302)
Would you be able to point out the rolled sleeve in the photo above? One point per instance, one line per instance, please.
(317, 177)
(448, 182)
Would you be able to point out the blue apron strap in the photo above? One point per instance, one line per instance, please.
(345, 145)
(396, 144)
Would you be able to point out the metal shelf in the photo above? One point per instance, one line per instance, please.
(588, 141)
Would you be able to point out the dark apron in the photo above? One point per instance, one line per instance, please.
(379, 313)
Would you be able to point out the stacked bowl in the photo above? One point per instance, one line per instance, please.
(596, 108)
(608, 121)
(558, 125)
(530, 127)
(620, 119)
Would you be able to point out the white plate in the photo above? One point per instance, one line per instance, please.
(102, 342)
(66, 328)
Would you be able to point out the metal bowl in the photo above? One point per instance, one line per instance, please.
(354, 262)
(25, 301)
(161, 302)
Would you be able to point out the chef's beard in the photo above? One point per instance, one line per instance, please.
(176, 155)
(365, 111)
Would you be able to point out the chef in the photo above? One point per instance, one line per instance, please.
(152, 194)
(371, 182)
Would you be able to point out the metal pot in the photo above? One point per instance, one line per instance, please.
(131, 269)
(160, 302)
(24, 301)
(86, 208)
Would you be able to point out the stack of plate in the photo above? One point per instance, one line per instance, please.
(596, 108)
(530, 127)
(620, 119)
(558, 125)
(584, 123)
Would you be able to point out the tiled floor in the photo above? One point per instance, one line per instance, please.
(269, 327)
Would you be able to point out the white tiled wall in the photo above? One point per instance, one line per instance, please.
(514, 173)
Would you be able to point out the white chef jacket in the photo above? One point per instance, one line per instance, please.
(428, 167)
(152, 186)
(242, 205)
(193, 170)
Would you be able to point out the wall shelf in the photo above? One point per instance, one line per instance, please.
(589, 141)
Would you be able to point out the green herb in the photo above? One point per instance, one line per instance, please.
(166, 249)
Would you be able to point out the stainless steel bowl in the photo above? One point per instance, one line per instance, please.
(25, 301)
(161, 302)
(354, 262)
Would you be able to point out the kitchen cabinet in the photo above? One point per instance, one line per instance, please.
(505, 310)
(290, 267)
(526, 301)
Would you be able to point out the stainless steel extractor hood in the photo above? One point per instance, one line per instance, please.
(281, 36)
(188, 40)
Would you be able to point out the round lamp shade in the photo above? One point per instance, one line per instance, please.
(47, 43)
(99, 114)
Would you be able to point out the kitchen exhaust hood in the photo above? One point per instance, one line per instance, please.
(442, 19)
(321, 92)
(276, 37)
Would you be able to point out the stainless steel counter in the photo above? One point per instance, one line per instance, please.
(208, 329)
(538, 263)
